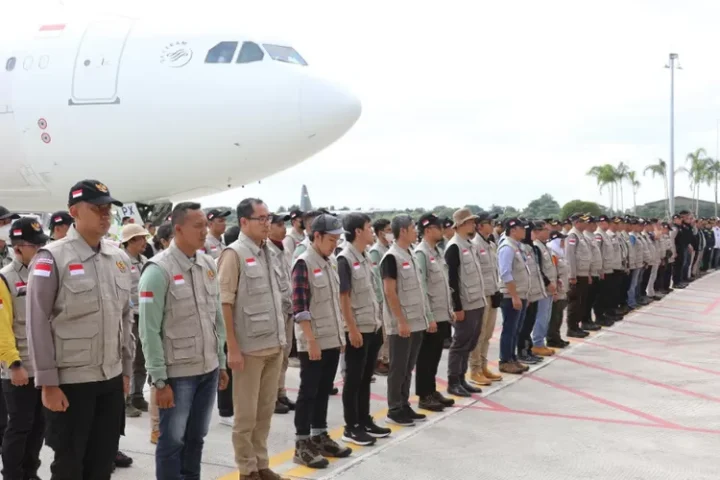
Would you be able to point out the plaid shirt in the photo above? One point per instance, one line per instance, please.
(300, 292)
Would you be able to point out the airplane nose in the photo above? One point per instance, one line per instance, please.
(328, 109)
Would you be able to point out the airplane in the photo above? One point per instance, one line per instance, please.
(160, 112)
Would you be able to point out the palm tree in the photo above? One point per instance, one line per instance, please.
(605, 176)
(635, 183)
(621, 173)
(713, 171)
(660, 168)
(697, 173)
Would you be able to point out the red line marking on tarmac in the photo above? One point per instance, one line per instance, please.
(593, 419)
(642, 379)
(711, 307)
(680, 319)
(675, 309)
(685, 301)
(648, 339)
(650, 357)
(605, 402)
(690, 332)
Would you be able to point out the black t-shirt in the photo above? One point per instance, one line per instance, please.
(345, 274)
(388, 267)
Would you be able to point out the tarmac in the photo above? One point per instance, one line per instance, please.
(639, 400)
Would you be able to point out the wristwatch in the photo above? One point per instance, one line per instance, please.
(159, 384)
(15, 364)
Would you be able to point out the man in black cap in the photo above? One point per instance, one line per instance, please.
(79, 325)
(296, 234)
(448, 233)
(60, 223)
(680, 235)
(579, 257)
(24, 435)
(6, 218)
(217, 223)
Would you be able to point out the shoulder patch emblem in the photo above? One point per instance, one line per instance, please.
(121, 266)
(211, 275)
(101, 187)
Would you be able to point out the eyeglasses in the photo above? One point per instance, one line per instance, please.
(263, 219)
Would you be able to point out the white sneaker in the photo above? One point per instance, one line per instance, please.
(227, 421)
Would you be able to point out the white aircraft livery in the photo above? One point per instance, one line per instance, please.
(159, 113)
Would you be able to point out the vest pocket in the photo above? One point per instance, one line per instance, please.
(257, 319)
(76, 345)
(409, 279)
(325, 327)
(81, 298)
(320, 292)
(180, 345)
(257, 283)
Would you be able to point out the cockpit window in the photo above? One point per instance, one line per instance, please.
(284, 54)
(223, 52)
(250, 52)
(10, 64)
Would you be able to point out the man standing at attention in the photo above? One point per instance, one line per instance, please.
(252, 306)
(217, 224)
(79, 336)
(182, 333)
(384, 238)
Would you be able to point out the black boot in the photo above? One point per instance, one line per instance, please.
(455, 388)
(469, 387)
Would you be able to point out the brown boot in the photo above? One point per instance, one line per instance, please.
(521, 366)
(479, 379)
(251, 476)
(492, 376)
(267, 474)
(511, 368)
(543, 351)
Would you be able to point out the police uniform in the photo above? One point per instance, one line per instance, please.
(579, 257)
(79, 331)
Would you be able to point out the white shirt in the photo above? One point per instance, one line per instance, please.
(716, 231)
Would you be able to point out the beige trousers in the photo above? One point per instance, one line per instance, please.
(478, 357)
(384, 354)
(254, 395)
(289, 327)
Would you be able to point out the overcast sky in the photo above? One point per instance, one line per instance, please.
(495, 102)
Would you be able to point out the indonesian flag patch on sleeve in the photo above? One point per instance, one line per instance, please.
(572, 241)
(42, 269)
(179, 279)
(76, 269)
(146, 297)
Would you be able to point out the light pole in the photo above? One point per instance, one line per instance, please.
(671, 165)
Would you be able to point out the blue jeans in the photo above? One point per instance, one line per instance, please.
(631, 294)
(542, 321)
(183, 427)
(512, 321)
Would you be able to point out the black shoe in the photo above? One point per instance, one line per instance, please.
(329, 447)
(358, 436)
(448, 402)
(374, 430)
(556, 343)
(605, 321)
(577, 333)
(537, 358)
(590, 327)
(286, 401)
(658, 297)
(413, 415)
(140, 403)
(334, 391)
(122, 460)
(446, 343)
(565, 342)
(431, 403)
(464, 383)
(457, 390)
(527, 359)
(399, 417)
(281, 408)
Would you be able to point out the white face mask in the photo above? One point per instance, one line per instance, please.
(5, 233)
(389, 237)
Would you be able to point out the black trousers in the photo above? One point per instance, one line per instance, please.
(556, 319)
(678, 275)
(85, 437)
(316, 382)
(618, 281)
(3, 415)
(592, 297)
(25, 431)
(429, 359)
(669, 271)
(224, 397)
(525, 333)
(644, 280)
(577, 298)
(359, 368)
(660, 279)
(140, 375)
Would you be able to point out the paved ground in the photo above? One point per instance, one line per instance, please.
(637, 401)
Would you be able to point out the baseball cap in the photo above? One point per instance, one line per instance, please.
(567, 221)
(447, 223)
(326, 223)
(131, 231)
(513, 222)
(654, 220)
(60, 218)
(557, 234)
(604, 218)
(91, 191)
(485, 217)
(6, 214)
(296, 213)
(29, 230)
(684, 212)
(618, 220)
(216, 212)
(428, 220)
(275, 218)
(553, 222)
(579, 217)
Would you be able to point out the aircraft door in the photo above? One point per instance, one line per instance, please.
(98, 60)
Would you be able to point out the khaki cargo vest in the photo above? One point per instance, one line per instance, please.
(537, 286)
(258, 314)
(602, 240)
(16, 277)
(472, 288)
(548, 267)
(328, 325)
(290, 242)
(87, 319)
(628, 252)
(376, 252)
(580, 262)
(563, 272)
(438, 289)
(190, 338)
(635, 251)
(282, 269)
(213, 246)
(300, 248)
(409, 293)
(596, 263)
(136, 266)
(365, 307)
(616, 259)
(487, 252)
(520, 270)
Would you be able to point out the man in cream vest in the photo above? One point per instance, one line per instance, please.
(433, 277)
(579, 257)
(384, 238)
(320, 335)
(363, 334)
(252, 303)
(404, 317)
(295, 236)
(24, 439)
(217, 223)
(182, 333)
(79, 324)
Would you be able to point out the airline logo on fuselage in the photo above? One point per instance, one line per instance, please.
(176, 54)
